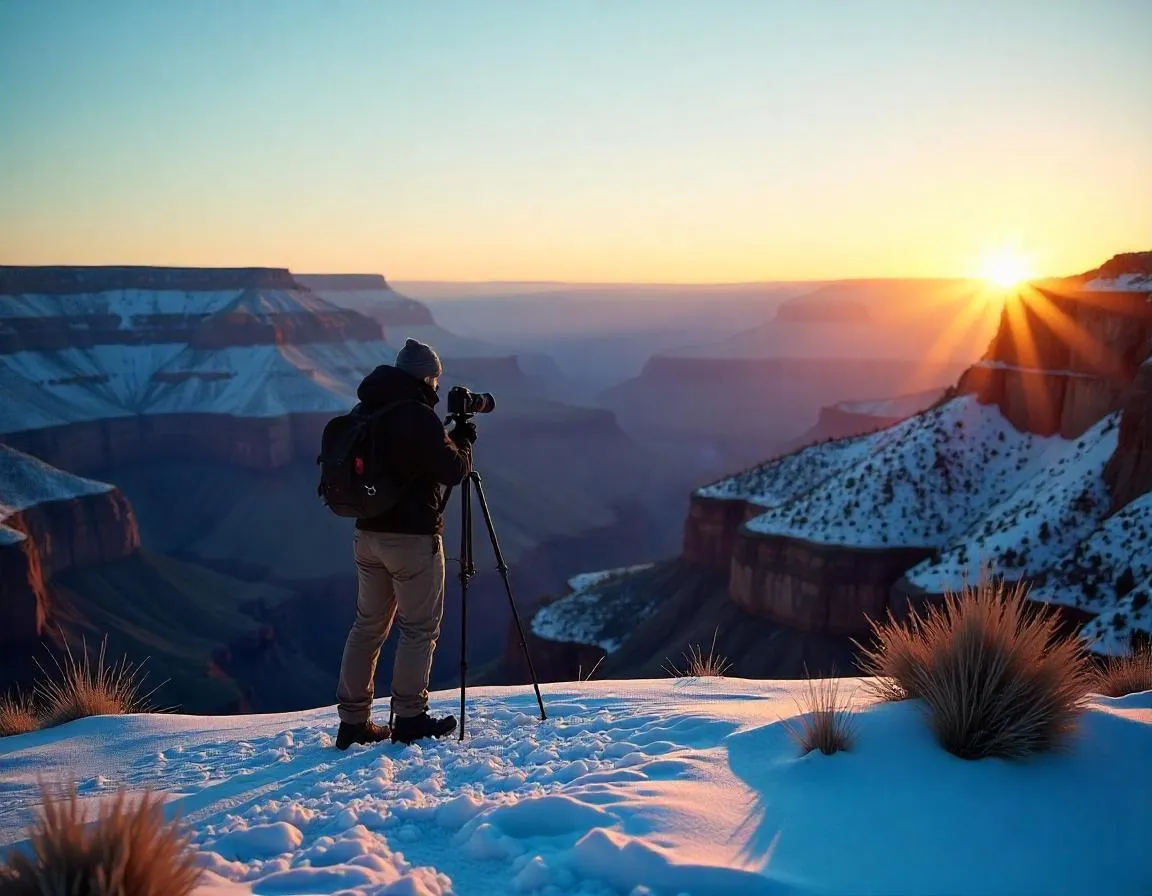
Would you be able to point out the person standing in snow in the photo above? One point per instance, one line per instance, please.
(400, 555)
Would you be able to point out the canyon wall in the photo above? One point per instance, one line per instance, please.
(1129, 472)
(1063, 358)
(815, 588)
(60, 535)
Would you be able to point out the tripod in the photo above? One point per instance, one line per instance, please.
(468, 570)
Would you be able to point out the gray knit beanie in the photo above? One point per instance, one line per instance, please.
(418, 360)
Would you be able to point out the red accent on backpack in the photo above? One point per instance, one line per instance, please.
(359, 466)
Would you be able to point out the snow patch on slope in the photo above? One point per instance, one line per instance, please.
(920, 483)
(1036, 524)
(1108, 573)
(1135, 282)
(107, 381)
(589, 616)
(783, 479)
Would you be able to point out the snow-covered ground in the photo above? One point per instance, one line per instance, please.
(26, 481)
(636, 788)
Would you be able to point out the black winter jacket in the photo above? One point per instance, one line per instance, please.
(417, 448)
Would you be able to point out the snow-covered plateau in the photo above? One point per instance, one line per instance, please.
(960, 480)
(637, 788)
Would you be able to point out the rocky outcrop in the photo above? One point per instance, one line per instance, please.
(1063, 358)
(827, 589)
(1129, 472)
(52, 522)
(23, 595)
(711, 530)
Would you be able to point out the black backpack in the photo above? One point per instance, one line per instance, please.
(353, 480)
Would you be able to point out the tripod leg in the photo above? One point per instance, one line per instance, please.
(503, 567)
(467, 570)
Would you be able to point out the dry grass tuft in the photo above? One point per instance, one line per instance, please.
(700, 666)
(997, 676)
(128, 850)
(87, 689)
(825, 722)
(1122, 675)
(17, 715)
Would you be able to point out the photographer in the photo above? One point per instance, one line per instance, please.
(400, 554)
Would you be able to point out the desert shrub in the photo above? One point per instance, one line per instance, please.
(17, 715)
(996, 675)
(697, 665)
(129, 849)
(1121, 675)
(825, 723)
(86, 688)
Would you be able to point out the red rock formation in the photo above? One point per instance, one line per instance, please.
(23, 596)
(61, 535)
(1129, 471)
(816, 588)
(1063, 358)
(711, 529)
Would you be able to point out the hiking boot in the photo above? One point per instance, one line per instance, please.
(365, 733)
(406, 730)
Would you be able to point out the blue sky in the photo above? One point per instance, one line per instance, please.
(632, 140)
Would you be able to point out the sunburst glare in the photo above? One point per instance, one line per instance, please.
(1006, 268)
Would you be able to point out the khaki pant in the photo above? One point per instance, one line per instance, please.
(402, 578)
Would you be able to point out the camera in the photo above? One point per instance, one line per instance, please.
(461, 402)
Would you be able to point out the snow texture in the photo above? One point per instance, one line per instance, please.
(1109, 573)
(781, 480)
(1035, 525)
(26, 482)
(54, 388)
(1135, 282)
(638, 788)
(587, 617)
(920, 483)
(107, 381)
(587, 579)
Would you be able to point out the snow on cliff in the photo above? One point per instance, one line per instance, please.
(585, 617)
(164, 371)
(105, 381)
(1035, 525)
(648, 788)
(919, 483)
(1109, 573)
(26, 481)
(785, 478)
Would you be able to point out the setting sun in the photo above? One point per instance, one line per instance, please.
(1006, 268)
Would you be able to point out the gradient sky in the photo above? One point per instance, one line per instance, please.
(583, 141)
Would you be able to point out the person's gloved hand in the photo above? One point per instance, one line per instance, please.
(463, 433)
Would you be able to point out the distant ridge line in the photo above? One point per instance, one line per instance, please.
(56, 279)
